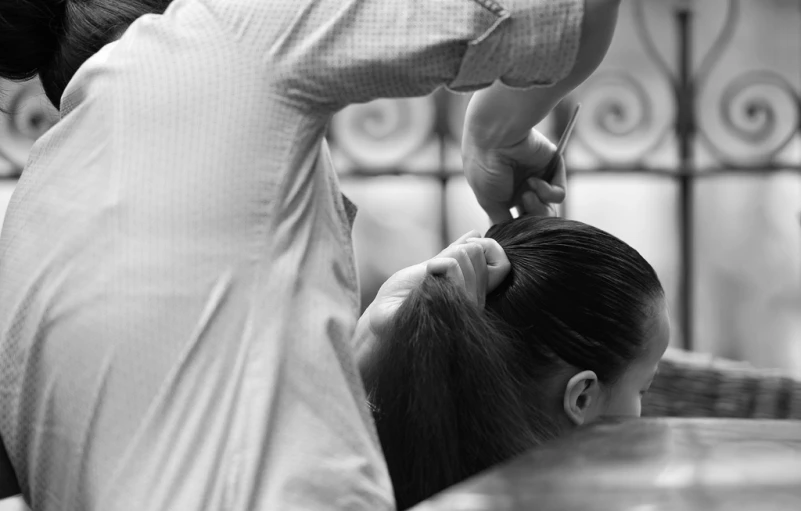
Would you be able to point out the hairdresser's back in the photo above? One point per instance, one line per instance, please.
(144, 364)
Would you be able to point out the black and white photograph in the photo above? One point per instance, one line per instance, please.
(382, 255)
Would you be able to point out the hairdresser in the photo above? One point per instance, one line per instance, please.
(176, 269)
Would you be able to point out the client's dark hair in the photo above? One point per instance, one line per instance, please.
(457, 389)
(53, 38)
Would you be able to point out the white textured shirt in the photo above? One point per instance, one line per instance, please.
(176, 274)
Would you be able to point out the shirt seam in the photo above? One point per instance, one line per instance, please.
(498, 10)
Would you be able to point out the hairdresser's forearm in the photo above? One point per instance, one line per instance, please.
(500, 116)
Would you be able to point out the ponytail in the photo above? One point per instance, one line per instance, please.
(449, 400)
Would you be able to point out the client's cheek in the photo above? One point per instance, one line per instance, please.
(624, 406)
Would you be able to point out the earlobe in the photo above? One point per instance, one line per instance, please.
(581, 392)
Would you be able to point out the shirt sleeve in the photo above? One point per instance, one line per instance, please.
(337, 52)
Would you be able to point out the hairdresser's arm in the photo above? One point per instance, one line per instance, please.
(330, 53)
(503, 115)
(498, 134)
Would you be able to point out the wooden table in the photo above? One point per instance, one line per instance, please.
(646, 465)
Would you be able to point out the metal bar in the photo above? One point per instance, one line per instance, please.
(685, 128)
(444, 224)
(656, 172)
(444, 177)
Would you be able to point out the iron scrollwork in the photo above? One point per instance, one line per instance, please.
(26, 115)
(758, 112)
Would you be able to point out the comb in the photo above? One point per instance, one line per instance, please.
(553, 165)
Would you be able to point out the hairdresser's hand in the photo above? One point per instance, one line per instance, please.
(506, 176)
(477, 265)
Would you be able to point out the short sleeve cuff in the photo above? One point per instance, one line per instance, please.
(533, 43)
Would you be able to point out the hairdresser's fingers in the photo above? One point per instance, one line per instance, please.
(478, 262)
(470, 258)
(498, 266)
(559, 180)
(530, 204)
(553, 192)
(534, 205)
(549, 210)
(464, 237)
(448, 267)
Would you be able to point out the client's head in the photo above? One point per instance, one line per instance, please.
(573, 334)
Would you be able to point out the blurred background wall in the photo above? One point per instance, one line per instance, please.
(688, 147)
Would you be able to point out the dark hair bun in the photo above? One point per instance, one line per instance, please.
(29, 35)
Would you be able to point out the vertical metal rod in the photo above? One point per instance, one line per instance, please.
(441, 128)
(685, 130)
(444, 234)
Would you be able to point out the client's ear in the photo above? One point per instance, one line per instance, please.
(582, 395)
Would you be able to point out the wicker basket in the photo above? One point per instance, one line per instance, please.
(699, 385)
